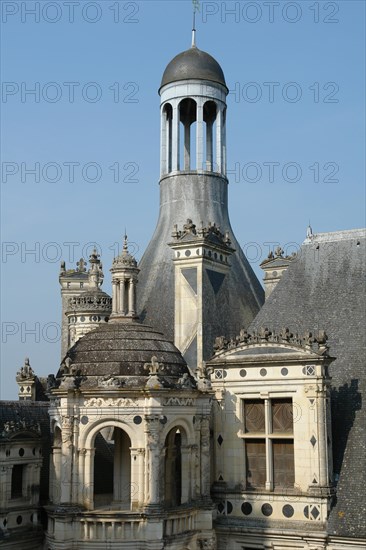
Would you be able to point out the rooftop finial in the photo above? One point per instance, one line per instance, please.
(309, 231)
(125, 242)
(196, 8)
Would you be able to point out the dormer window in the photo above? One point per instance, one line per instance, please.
(269, 443)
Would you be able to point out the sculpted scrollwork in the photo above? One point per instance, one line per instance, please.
(110, 402)
(179, 401)
(311, 342)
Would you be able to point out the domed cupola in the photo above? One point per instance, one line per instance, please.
(193, 64)
(193, 111)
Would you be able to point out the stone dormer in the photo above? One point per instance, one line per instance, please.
(274, 266)
(275, 386)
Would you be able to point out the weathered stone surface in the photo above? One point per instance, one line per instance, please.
(123, 349)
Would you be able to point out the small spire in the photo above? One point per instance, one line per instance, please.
(125, 242)
(95, 273)
(196, 8)
(309, 231)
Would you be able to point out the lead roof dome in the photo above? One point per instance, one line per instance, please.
(124, 350)
(193, 64)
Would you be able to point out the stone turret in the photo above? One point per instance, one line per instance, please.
(194, 185)
(87, 309)
(124, 280)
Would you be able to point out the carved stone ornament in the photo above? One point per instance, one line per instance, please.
(110, 382)
(110, 402)
(179, 402)
(186, 382)
(154, 367)
(11, 427)
(51, 382)
(212, 230)
(26, 372)
(81, 265)
(315, 343)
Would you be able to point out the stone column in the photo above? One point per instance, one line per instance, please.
(67, 456)
(81, 478)
(199, 138)
(131, 297)
(33, 480)
(322, 436)
(5, 485)
(89, 479)
(114, 297)
(122, 294)
(205, 456)
(56, 474)
(186, 473)
(137, 477)
(153, 443)
(163, 143)
(219, 140)
(187, 146)
(195, 472)
(209, 146)
(269, 453)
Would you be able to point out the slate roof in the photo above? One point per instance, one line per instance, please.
(123, 349)
(323, 288)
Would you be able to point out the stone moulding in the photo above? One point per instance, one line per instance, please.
(309, 342)
(180, 402)
(111, 402)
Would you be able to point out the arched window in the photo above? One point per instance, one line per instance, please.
(176, 472)
(188, 118)
(112, 469)
(166, 129)
(210, 138)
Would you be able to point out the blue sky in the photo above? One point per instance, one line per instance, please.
(296, 71)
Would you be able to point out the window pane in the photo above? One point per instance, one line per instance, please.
(283, 463)
(17, 481)
(282, 415)
(254, 415)
(255, 453)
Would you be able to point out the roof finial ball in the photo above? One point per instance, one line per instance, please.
(124, 280)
